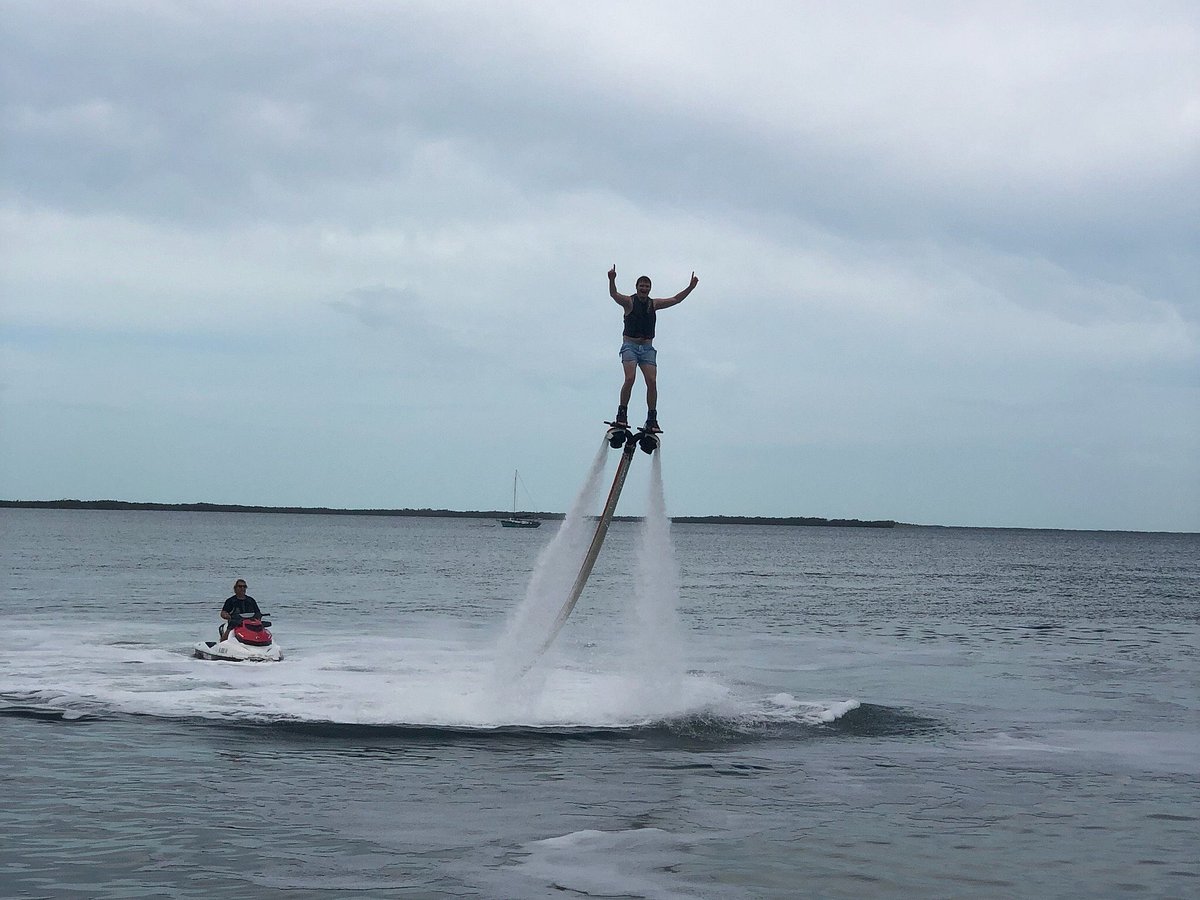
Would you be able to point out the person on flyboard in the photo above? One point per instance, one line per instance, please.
(637, 343)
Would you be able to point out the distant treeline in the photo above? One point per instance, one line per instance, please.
(430, 513)
(239, 508)
(784, 520)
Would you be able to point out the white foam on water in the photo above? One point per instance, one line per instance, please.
(630, 863)
(435, 679)
(786, 708)
(1139, 750)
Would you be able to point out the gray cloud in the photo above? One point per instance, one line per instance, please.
(382, 307)
(947, 207)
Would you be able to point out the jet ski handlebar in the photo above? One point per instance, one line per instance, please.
(238, 618)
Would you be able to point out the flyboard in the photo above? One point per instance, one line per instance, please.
(619, 437)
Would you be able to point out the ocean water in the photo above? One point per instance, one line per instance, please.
(730, 712)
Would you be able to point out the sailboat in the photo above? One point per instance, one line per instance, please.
(518, 521)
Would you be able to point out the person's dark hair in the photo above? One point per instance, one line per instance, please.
(645, 278)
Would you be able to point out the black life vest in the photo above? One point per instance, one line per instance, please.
(639, 321)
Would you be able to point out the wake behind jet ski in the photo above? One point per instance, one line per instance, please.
(248, 639)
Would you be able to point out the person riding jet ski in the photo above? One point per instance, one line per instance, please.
(240, 605)
(245, 635)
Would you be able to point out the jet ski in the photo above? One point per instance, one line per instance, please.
(247, 640)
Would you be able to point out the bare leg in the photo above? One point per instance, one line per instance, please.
(630, 374)
(650, 374)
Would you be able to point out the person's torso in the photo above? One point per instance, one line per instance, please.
(639, 321)
(243, 606)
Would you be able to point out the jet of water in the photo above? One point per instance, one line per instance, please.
(553, 574)
(656, 648)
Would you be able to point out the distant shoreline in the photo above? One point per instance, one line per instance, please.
(425, 513)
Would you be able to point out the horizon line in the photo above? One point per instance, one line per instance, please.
(429, 512)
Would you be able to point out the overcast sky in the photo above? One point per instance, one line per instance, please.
(354, 254)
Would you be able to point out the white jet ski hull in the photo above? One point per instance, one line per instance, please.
(233, 650)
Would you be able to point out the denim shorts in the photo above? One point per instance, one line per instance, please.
(642, 354)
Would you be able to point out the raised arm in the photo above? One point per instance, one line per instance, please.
(678, 298)
(623, 299)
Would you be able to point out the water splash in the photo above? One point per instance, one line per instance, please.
(647, 672)
(553, 574)
(656, 645)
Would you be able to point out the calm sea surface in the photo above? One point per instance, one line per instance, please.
(794, 712)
